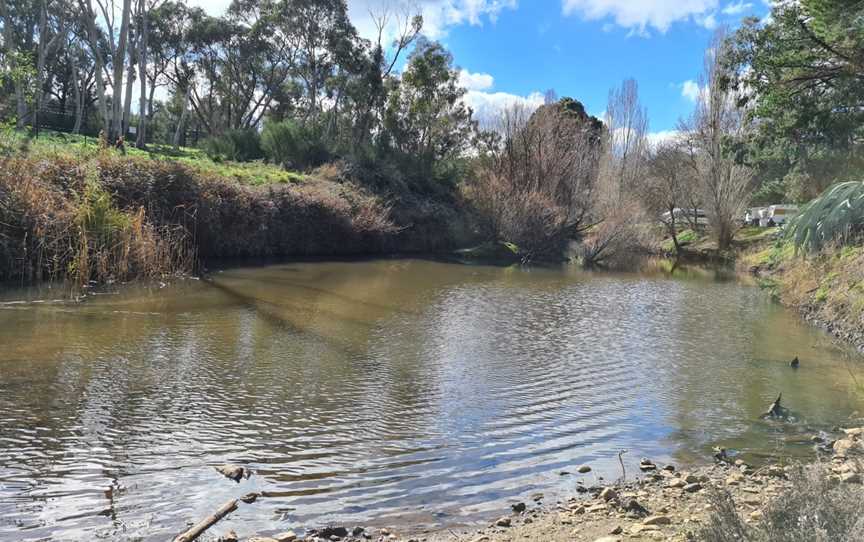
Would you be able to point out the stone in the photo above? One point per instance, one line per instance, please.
(503, 522)
(250, 498)
(262, 539)
(357, 531)
(677, 484)
(287, 536)
(756, 515)
(230, 536)
(482, 538)
(537, 497)
(692, 488)
(734, 479)
(691, 479)
(851, 478)
(647, 465)
(669, 468)
(583, 469)
(637, 529)
(617, 530)
(776, 471)
(657, 520)
(604, 538)
(519, 507)
(233, 472)
(596, 508)
(340, 532)
(635, 507)
(608, 494)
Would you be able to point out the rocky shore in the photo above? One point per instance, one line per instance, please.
(662, 503)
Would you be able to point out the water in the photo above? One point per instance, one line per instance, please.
(386, 392)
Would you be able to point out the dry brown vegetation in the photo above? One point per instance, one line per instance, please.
(114, 219)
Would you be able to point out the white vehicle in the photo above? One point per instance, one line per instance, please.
(776, 215)
(753, 215)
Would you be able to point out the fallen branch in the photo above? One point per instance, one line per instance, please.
(199, 528)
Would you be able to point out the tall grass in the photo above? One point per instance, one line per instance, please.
(106, 218)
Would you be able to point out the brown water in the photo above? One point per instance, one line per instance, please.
(388, 391)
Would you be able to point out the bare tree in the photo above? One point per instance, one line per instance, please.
(627, 143)
(668, 186)
(710, 136)
(536, 185)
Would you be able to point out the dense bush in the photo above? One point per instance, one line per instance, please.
(234, 145)
(836, 215)
(292, 145)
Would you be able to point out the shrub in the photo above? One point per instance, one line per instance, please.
(814, 508)
(832, 217)
(293, 146)
(234, 145)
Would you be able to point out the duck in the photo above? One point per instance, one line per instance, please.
(794, 363)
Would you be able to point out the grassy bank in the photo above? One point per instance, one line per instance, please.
(827, 287)
(70, 210)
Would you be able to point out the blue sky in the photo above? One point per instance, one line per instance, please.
(514, 50)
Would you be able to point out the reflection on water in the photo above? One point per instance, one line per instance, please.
(385, 391)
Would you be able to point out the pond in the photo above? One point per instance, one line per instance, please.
(385, 392)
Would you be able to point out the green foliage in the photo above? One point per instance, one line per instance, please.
(804, 68)
(832, 217)
(98, 217)
(234, 145)
(291, 145)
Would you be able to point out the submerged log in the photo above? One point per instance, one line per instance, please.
(199, 528)
(776, 410)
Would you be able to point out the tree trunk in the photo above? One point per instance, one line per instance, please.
(127, 95)
(98, 61)
(117, 62)
(141, 140)
(183, 113)
(673, 231)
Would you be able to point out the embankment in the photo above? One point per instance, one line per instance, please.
(114, 218)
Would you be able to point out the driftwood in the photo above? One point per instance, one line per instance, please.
(199, 528)
(776, 410)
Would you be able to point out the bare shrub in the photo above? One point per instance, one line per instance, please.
(535, 184)
(814, 508)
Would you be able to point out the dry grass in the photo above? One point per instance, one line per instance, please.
(815, 508)
(108, 218)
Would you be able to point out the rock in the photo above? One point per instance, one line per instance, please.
(608, 494)
(677, 484)
(637, 529)
(579, 510)
(647, 465)
(848, 446)
(740, 463)
(617, 530)
(537, 497)
(776, 471)
(233, 472)
(583, 469)
(503, 522)
(481, 538)
(357, 531)
(597, 508)
(230, 536)
(657, 520)
(855, 432)
(287, 536)
(851, 478)
(526, 521)
(249, 498)
(692, 488)
(756, 515)
(636, 508)
(602, 538)
(519, 507)
(734, 479)
(669, 468)
(341, 532)
(564, 473)
(691, 479)
(261, 539)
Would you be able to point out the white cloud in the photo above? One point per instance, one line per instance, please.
(638, 15)
(212, 7)
(690, 90)
(656, 138)
(488, 106)
(475, 81)
(737, 9)
(438, 15)
(708, 21)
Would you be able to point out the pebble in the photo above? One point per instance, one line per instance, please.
(693, 488)
(657, 520)
(287, 536)
(503, 522)
(519, 507)
(584, 469)
(608, 494)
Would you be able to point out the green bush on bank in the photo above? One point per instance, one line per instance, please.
(234, 145)
(291, 145)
